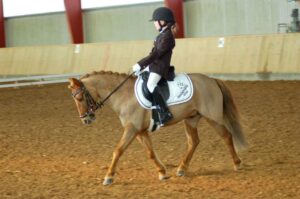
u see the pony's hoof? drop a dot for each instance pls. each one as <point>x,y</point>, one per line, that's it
<point>237,167</point>
<point>107,181</point>
<point>180,173</point>
<point>163,177</point>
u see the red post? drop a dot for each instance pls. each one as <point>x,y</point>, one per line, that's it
<point>74,15</point>
<point>2,26</point>
<point>177,7</point>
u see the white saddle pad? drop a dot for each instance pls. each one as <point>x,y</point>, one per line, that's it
<point>181,90</point>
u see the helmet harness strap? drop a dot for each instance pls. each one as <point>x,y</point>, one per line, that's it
<point>161,25</point>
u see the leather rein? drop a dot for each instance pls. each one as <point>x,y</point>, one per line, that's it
<point>93,105</point>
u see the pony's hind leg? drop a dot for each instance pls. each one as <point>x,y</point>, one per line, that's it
<point>193,141</point>
<point>128,136</point>
<point>145,140</point>
<point>226,135</point>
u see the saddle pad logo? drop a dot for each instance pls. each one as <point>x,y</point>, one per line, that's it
<point>184,89</point>
<point>181,91</point>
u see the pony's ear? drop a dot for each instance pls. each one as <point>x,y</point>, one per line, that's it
<point>74,83</point>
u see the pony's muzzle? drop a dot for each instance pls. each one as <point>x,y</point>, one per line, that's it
<point>85,121</point>
<point>88,118</point>
<point>92,116</point>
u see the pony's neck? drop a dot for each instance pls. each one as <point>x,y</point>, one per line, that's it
<point>101,85</point>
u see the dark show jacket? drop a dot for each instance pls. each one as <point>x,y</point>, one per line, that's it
<point>160,56</point>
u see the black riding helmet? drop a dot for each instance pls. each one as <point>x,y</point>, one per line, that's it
<point>163,13</point>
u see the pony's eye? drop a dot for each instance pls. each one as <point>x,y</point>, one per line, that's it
<point>79,99</point>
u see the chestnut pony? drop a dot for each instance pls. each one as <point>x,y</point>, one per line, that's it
<point>211,100</point>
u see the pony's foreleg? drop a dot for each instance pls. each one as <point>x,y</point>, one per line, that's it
<point>226,135</point>
<point>193,141</point>
<point>128,136</point>
<point>145,140</point>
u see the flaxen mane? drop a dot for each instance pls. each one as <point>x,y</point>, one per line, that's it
<point>103,73</point>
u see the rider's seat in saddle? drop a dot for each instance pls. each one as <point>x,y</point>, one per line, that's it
<point>174,92</point>
<point>162,111</point>
<point>162,84</point>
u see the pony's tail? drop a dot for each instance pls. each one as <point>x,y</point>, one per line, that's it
<point>231,118</point>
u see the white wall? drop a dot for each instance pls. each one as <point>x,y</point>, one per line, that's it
<point>120,23</point>
<point>37,30</point>
<point>202,18</point>
<point>235,17</point>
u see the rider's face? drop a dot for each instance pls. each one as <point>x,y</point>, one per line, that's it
<point>157,26</point>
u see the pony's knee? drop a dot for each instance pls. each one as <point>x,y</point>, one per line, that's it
<point>192,122</point>
<point>196,142</point>
<point>117,153</point>
<point>151,155</point>
<point>226,134</point>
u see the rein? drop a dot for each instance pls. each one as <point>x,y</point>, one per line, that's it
<point>112,92</point>
<point>91,103</point>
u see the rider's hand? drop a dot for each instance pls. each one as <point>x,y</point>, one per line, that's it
<point>136,68</point>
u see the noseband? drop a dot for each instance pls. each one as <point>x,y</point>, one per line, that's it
<point>92,105</point>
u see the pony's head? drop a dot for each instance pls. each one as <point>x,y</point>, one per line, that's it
<point>85,104</point>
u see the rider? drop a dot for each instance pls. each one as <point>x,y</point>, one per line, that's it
<point>158,61</point>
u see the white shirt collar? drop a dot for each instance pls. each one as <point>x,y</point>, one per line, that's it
<point>163,29</point>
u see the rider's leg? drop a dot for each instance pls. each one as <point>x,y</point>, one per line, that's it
<point>164,113</point>
<point>153,81</point>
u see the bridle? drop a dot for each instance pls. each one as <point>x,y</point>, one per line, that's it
<point>93,105</point>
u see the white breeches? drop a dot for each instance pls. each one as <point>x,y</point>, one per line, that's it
<point>152,81</point>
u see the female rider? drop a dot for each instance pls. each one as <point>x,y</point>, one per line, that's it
<point>158,61</point>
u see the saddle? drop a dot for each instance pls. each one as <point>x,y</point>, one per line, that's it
<point>178,91</point>
<point>174,92</point>
<point>162,84</point>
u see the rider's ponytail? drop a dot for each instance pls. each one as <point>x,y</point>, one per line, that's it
<point>174,28</point>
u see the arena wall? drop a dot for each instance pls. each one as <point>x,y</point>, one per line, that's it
<point>236,17</point>
<point>278,53</point>
<point>47,29</point>
<point>203,18</point>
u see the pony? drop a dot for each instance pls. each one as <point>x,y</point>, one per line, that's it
<point>211,100</point>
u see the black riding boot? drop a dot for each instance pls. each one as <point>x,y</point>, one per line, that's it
<point>163,111</point>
